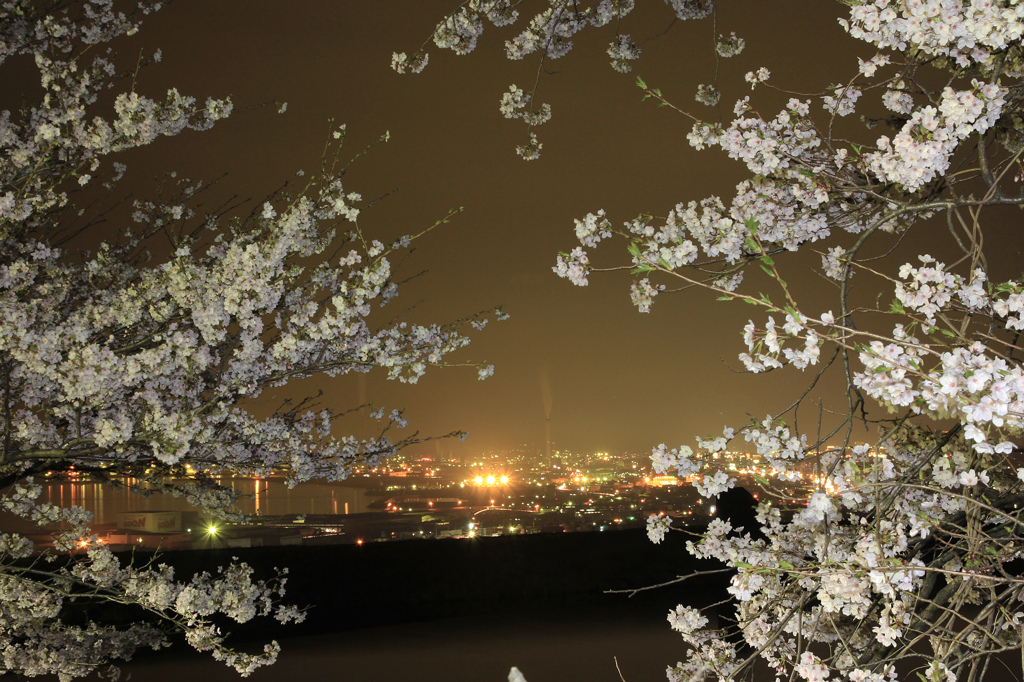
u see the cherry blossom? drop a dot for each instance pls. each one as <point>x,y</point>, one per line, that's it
<point>139,360</point>
<point>893,539</point>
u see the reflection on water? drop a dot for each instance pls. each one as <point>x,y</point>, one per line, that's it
<point>267,497</point>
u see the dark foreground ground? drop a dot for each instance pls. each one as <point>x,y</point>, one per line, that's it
<point>353,587</point>
<point>462,610</point>
<point>468,610</point>
<point>566,643</point>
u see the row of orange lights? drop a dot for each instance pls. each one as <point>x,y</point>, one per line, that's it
<point>490,480</point>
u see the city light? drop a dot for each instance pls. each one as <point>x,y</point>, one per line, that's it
<point>519,493</point>
<point>491,480</point>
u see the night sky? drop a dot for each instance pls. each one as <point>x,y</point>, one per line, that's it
<point>610,377</point>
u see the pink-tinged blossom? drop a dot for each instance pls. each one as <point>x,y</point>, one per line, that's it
<point>593,228</point>
<point>712,486</point>
<point>810,668</point>
<point>755,77</point>
<point>685,620</point>
<point>574,266</point>
<point>657,526</point>
<point>844,102</point>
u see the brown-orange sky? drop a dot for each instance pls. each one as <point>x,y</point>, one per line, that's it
<point>611,377</point>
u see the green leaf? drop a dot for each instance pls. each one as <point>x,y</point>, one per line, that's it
<point>640,82</point>
<point>786,565</point>
<point>767,260</point>
<point>743,564</point>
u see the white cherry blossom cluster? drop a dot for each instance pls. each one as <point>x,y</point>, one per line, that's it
<point>834,263</point>
<point>35,642</point>
<point>402,63</point>
<point>622,52</point>
<point>729,46</point>
<point>642,293</point>
<point>664,460</point>
<point>692,9</point>
<point>777,442</point>
<point>514,103</point>
<point>968,34</point>
<point>923,148</point>
<point>718,443</point>
<point>844,102</point>
<point>766,346</point>
<point>574,266</point>
<point>458,32</point>
<point>897,98</point>
<point>870,66</point>
<point>892,541</point>
<point>757,77</point>
<point>708,95</point>
<point>686,620</point>
<point>593,228</point>
<point>713,486</point>
<point>658,526</point>
<point>927,289</point>
<point>548,34</point>
<point>144,370</point>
